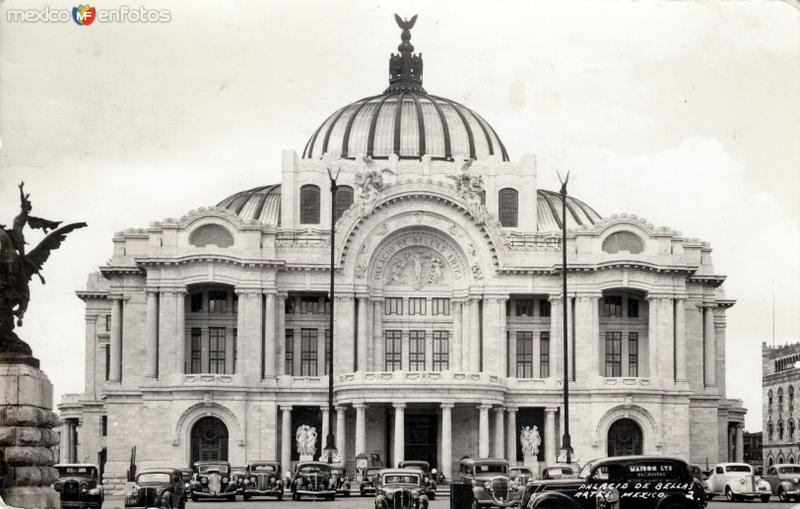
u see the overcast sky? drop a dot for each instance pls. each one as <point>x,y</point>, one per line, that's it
<point>685,113</point>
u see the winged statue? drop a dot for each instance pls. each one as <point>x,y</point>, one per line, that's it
<point>17,268</point>
<point>405,24</point>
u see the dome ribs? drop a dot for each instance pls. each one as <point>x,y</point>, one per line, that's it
<point>350,121</point>
<point>308,151</point>
<point>330,129</point>
<point>499,141</point>
<point>373,126</point>
<point>421,123</point>
<point>448,151</point>
<point>398,114</point>
<point>470,137</point>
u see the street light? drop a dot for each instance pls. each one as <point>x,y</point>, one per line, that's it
<point>330,448</point>
<point>566,441</point>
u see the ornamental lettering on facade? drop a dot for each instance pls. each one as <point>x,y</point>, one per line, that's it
<point>421,265</point>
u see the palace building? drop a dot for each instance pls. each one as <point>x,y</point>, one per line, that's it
<point>780,373</point>
<point>206,334</point>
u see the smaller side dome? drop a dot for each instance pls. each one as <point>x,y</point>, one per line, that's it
<point>262,204</point>
<point>549,210</point>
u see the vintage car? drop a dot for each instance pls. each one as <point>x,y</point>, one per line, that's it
<point>262,479</point>
<point>491,485</point>
<point>212,479</point>
<point>158,487</point>
<point>784,481</point>
<point>186,475</point>
<point>342,482</point>
<point>369,480</point>
<point>313,479</point>
<point>400,488</point>
<point>736,481</point>
<point>79,485</point>
<point>429,476</point>
<point>520,476</point>
<point>558,472</point>
<point>237,476</point>
<point>624,482</point>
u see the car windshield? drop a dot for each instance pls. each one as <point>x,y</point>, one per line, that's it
<point>313,469</point>
<point>495,468</point>
<point>205,469</point>
<point>789,470</point>
<point>520,471</point>
<point>82,471</point>
<point>263,468</point>
<point>738,468</point>
<point>161,477</point>
<point>400,479</point>
<point>586,470</point>
<point>186,475</point>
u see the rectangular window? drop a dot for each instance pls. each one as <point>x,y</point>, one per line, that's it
<point>524,307</point>
<point>524,354</point>
<point>633,354</point>
<point>416,350</point>
<point>103,425</point>
<point>612,307</point>
<point>394,352</point>
<point>108,323</point>
<point>633,308</point>
<point>327,350</point>
<point>235,303</point>
<point>416,306</point>
<point>216,349</point>
<point>289,306</point>
<point>393,306</point>
<point>441,350</point>
<point>613,354</point>
<point>544,308</point>
<point>108,361</point>
<point>308,352</point>
<point>235,345</point>
<point>289,354</point>
<point>196,302</point>
<point>196,352</point>
<point>309,305</point>
<point>217,302</point>
<point>441,306</point>
<point>544,354</point>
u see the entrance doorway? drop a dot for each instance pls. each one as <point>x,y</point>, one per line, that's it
<point>209,440</point>
<point>624,438</point>
<point>421,431</point>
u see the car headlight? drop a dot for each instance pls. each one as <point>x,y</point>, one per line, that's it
<point>224,479</point>
<point>487,485</point>
<point>94,491</point>
<point>795,480</point>
<point>57,486</point>
<point>741,481</point>
<point>135,491</point>
<point>204,480</point>
<point>415,494</point>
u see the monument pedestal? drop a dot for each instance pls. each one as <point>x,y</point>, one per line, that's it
<point>27,437</point>
<point>532,463</point>
<point>306,457</point>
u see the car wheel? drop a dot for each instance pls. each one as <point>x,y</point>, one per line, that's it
<point>765,498</point>
<point>729,494</point>
<point>280,497</point>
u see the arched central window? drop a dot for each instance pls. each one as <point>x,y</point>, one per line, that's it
<point>309,204</point>
<point>344,198</point>
<point>209,440</point>
<point>624,438</point>
<point>508,208</point>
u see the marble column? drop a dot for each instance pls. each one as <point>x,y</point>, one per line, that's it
<point>91,355</point>
<point>709,347</point>
<point>286,438</point>
<point>446,463</point>
<point>280,333</point>
<point>499,432</point>
<point>455,354</point>
<point>483,430</point>
<point>595,337</point>
<point>361,428</point>
<point>680,340</point>
<point>115,343</point>
<point>151,333</point>
<point>550,439</point>
<point>399,433</point>
<point>180,331</point>
<point>666,339</point>
<point>652,337</point>
<point>502,337</point>
<point>362,340</point>
<point>378,361</point>
<point>341,432</point>
<point>511,435</point>
<point>270,330</point>
<point>324,437</point>
<point>475,335</point>
<point>739,443</point>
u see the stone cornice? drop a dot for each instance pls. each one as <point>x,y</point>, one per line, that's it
<point>206,258</point>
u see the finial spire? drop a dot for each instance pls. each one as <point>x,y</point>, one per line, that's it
<point>405,69</point>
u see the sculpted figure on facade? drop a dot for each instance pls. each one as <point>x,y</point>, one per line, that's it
<point>417,268</point>
<point>369,187</point>
<point>530,440</point>
<point>306,438</point>
<point>470,188</point>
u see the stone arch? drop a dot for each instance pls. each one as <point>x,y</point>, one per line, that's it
<point>206,408</point>
<point>625,437</point>
<point>652,441</point>
<point>770,460</point>
<point>780,458</point>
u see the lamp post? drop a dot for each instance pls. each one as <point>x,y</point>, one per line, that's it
<point>330,447</point>
<point>566,440</point>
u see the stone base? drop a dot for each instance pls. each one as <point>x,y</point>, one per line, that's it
<point>306,457</point>
<point>44,497</point>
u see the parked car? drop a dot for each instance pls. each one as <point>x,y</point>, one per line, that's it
<point>784,481</point>
<point>626,482</point>
<point>186,475</point>
<point>736,481</point>
<point>429,475</point>
<point>158,487</point>
<point>491,485</point>
<point>369,480</point>
<point>237,478</point>
<point>313,479</point>
<point>520,476</point>
<point>699,478</point>
<point>262,479</point>
<point>79,485</point>
<point>401,488</point>
<point>341,481</point>
<point>558,472</point>
<point>212,479</point>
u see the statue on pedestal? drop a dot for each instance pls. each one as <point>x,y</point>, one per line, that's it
<point>530,440</point>
<point>306,438</point>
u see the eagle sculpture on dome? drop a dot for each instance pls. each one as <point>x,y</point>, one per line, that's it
<point>405,24</point>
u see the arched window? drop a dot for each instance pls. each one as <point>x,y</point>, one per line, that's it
<point>780,430</point>
<point>309,204</point>
<point>623,241</point>
<point>780,399</point>
<point>624,438</point>
<point>770,461</point>
<point>790,459</point>
<point>780,459</point>
<point>769,401</point>
<point>508,207</point>
<point>209,440</point>
<point>344,198</point>
<point>213,234</point>
<point>791,429</point>
<point>770,430</point>
<point>791,398</point>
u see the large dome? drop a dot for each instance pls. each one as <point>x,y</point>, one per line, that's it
<point>406,121</point>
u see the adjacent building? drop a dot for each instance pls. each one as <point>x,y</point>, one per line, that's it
<point>206,334</point>
<point>780,378</point>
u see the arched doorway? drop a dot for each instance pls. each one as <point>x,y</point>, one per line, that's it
<point>624,438</point>
<point>209,440</point>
